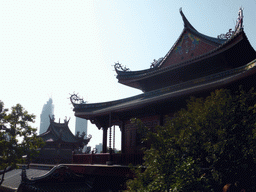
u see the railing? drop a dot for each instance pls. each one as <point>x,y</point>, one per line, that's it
<point>103,158</point>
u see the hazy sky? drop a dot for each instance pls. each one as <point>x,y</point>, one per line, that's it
<point>55,48</point>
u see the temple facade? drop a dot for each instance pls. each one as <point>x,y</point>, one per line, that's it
<point>194,66</point>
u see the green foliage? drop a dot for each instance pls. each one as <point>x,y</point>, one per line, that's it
<point>17,137</point>
<point>208,144</point>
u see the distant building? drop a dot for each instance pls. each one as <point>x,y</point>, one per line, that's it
<point>98,148</point>
<point>48,110</point>
<point>81,128</point>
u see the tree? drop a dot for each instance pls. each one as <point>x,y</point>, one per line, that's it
<point>17,137</point>
<point>208,144</point>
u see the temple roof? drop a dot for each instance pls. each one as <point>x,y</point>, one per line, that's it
<point>204,65</point>
<point>191,48</point>
<point>61,132</point>
<point>132,105</point>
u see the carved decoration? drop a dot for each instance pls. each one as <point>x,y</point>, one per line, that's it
<point>96,122</point>
<point>118,66</point>
<point>227,35</point>
<point>239,25</point>
<point>75,99</point>
<point>155,62</point>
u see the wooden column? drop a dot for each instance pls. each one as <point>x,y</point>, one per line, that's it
<point>114,137</point>
<point>110,158</point>
<point>122,138</point>
<point>104,142</point>
<point>110,133</point>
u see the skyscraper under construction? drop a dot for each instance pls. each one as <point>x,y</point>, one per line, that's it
<point>48,110</point>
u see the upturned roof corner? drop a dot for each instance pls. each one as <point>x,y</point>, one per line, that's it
<point>187,24</point>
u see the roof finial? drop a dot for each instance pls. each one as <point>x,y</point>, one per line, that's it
<point>75,99</point>
<point>66,119</point>
<point>52,118</point>
<point>118,66</point>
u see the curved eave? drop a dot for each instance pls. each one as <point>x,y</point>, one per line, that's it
<point>103,105</point>
<point>50,132</point>
<point>127,77</point>
<point>70,137</point>
<point>132,74</point>
<point>186,22</point>
<point>89,111</point>
<point>43,134</point>
<point>51,175</point>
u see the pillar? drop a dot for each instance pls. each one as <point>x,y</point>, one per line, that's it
<point>104,142</point>
<point>122,138</point>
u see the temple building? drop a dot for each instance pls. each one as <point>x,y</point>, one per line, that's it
<point>60,143</point>
<point>194,66</point>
